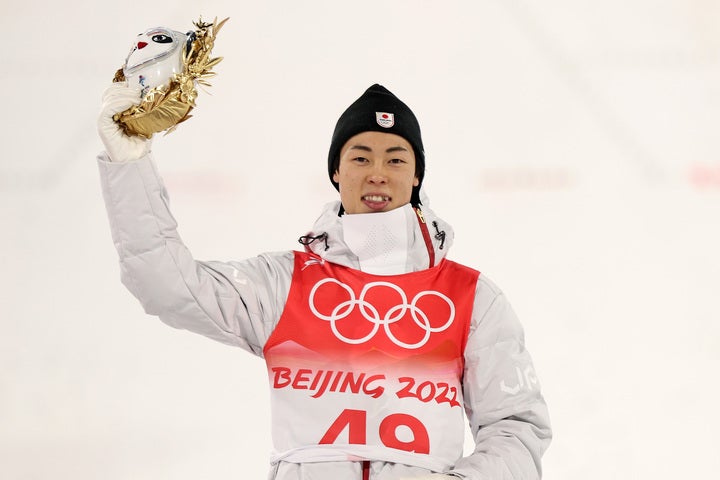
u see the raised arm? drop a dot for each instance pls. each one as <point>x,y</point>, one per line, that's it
<point>237,303</point>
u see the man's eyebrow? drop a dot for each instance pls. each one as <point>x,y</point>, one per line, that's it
<point>396,149</point>
<point>389,150</point>
<point>361,147</point>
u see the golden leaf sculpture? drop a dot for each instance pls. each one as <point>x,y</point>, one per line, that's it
<point>166,106</point>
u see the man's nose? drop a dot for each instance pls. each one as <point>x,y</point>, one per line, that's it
<point>377,176</point>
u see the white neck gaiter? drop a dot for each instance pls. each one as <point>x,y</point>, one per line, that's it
<point>381,241</point>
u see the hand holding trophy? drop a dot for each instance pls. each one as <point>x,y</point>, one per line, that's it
<point>166,66</point>
<point>156,88</point>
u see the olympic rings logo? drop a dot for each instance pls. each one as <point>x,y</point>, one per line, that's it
<point>370,313</point>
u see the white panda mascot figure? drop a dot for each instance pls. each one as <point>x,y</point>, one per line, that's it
<point>166,66</point>
<point>155,57</point>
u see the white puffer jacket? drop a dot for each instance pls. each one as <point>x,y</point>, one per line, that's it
<point>239,303</point>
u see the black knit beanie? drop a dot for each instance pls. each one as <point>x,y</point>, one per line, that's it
<point>378,110</point>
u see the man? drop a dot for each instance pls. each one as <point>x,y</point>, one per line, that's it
<point>376,344</point>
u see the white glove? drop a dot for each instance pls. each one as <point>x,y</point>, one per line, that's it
<point>120,147</point>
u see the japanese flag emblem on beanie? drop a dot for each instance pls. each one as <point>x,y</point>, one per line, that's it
<point>384,119</point>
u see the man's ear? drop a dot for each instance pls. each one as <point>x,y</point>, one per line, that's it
<point>335,177</point>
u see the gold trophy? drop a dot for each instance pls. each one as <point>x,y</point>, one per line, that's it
<point>167,66</point>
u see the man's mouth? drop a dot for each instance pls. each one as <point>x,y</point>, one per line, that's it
<point>376,198</point>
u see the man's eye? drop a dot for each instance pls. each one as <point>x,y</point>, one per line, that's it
<point>397,160</point>
<point>161,39</point>
<point>361,159</point>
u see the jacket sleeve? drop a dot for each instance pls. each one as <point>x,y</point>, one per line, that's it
<point>507,413</point>
<point>237,303</point>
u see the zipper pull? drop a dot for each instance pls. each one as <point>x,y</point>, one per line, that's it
<point>420,215</point>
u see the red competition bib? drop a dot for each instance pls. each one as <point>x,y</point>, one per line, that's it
<point>369,367</point>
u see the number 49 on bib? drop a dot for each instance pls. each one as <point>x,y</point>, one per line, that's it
<point>356,423</point>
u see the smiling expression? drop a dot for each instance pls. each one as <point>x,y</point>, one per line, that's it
<point>376,173</point>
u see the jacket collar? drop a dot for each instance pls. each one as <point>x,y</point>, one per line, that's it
<point>428,236</point>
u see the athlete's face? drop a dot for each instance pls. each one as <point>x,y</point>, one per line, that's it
<point>376,172</point>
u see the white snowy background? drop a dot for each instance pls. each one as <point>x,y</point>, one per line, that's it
<point>573,145</point>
